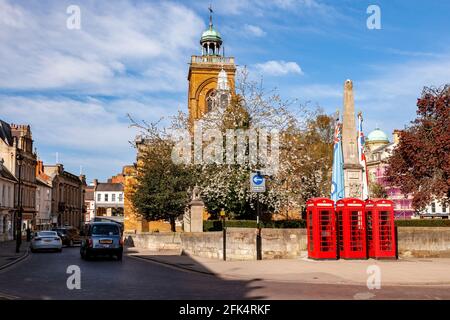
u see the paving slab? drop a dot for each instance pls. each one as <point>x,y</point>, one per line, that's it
<point>406,271</point>
<point>8,255</point>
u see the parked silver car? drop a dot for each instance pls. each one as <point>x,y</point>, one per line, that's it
<point>46,240</point>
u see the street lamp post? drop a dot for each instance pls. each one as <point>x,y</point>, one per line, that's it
<point>224,230</point>
<point>19,159</point>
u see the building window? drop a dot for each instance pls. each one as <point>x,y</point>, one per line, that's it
<point>113,197</point>
<point>106,197</point>
<point>211,100</point>
<point>433,207</point>
<point>444,208</point>
<point>120,197</point>
<point>99,197</point>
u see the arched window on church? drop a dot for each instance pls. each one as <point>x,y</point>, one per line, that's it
<point>211,100</point>
<point>224,99</point>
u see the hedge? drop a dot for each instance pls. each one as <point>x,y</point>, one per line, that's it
<point>423,223</point>
<point>216,225</point>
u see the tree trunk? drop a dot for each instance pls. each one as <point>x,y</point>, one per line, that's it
<point>172,224</point>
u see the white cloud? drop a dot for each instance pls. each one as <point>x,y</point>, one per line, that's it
<point>413,53</point>
<point>93,133</point>
<point>316,91</point>
<point>278,68</point>
<point>405,80</point>
<point>263,7</point>
<point>133,52</point>
<point>61,122</point>
<point>10,15</point>
<point>109,55</point>
<point>387,96</point>
<point>254,30</point>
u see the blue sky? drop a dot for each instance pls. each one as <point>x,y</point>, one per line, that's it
<point>75,87</point>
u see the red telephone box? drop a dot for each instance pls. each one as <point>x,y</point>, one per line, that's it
<point>351,228</point>
<point>382,242</point>
<point>369,209</point>
<point>321,230</point>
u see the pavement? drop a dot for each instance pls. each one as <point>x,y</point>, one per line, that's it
<point>8,255</point>
<point>402,272</point>
<point>51,275</point>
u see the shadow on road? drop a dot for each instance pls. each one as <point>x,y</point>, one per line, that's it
<point>211,285</point>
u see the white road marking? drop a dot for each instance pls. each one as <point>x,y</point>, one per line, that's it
<point>4,296</point>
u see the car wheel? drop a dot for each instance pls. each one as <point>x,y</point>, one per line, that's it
<point>59,250</point>
<point>119,256</point>
<point>32,250</point>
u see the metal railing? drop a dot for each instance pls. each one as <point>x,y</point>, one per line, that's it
<point>212,59</point>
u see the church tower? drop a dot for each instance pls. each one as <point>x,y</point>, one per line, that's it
<point>210,76</point>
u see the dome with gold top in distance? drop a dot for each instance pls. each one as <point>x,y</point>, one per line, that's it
<point>377,136</point>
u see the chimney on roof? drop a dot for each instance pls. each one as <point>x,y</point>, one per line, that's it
<point>39,167</point>
<point>95,182</point>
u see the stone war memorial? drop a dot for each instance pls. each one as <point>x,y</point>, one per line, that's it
<point>353,170</point>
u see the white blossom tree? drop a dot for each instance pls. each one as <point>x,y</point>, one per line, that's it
<point>304,152</point>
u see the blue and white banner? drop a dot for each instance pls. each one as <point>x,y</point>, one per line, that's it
<point>337,179</point>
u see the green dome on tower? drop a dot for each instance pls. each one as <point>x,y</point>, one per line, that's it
<point>211,35</point>
<point>377,135</point>
<point>211,41</point>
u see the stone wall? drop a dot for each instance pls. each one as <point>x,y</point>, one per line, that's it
<point>203,244</point>
<point>424,241</point>
<point>241,244</point>
<point>283,243</point>
<point>279,243</point>
<point>156,241</point>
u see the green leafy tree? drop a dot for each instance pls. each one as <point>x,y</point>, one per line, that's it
<point>377,190</point>
<point>162,190</point>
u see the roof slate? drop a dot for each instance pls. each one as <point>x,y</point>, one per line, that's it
<point>109,187</point>
<point>6,174</point>
<point>5,133</point>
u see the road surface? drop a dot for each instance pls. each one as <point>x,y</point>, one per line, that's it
<point>44,276</point>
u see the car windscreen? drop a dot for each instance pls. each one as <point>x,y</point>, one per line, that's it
<point>47,234</point>
<point>105,230</point>
<point>61,231</point>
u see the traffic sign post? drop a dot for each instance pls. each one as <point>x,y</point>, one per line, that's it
<point>224,230</point>
<point>258,185</point>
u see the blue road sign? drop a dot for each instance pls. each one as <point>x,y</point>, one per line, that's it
<point>257,182</point>
<point>257,179</point>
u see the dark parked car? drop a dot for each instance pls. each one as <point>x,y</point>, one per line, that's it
<point>68,235</point>
<point>102,238</point>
